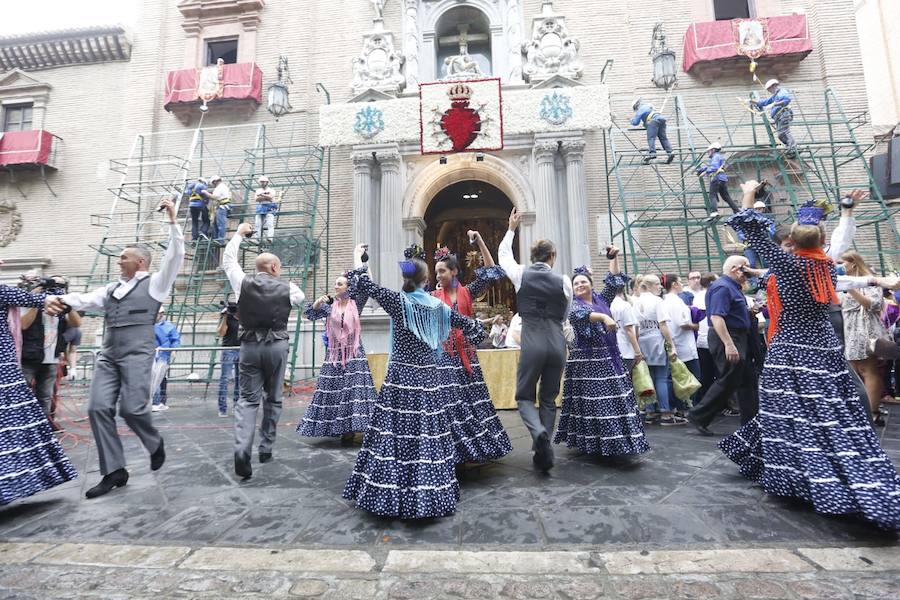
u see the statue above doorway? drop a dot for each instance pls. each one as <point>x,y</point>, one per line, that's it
<point>551,51</point>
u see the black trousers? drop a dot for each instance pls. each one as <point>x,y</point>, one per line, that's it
<point>734,378</point>
<point>719,189</point>
<point>707,371</point>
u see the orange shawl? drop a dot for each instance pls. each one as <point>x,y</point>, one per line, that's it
<point>818,279</point>
<point>456,343</point>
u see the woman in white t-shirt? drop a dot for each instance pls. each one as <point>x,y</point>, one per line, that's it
<point>682,326</point>
<point>626,334</point>
<point>654,333</point>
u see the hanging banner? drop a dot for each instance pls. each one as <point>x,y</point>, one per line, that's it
<point>460,116</point>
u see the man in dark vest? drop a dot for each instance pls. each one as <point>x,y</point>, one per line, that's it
<point>126,358</point>
<point>264,306</point>
<point>543,299</point>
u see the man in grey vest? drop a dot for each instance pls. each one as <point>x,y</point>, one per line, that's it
<point>126,359</point>
<point>264,306</point>
<point>543,299</point>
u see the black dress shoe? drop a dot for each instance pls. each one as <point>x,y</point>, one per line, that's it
<point>117,478</point>
<point>543,454</point>
<point>703,429</point>
<point>265,457</point>
<point>158,457</point>
<point>242,465</point>
<point>347,439</point>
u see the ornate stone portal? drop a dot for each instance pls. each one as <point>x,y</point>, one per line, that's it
<point>551,51</point>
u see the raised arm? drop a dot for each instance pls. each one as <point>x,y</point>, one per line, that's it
<point>318,309</point>
<point>388,299</point>
<point>11,296</point>
<point>472,329</point>
<point>614,280</point>
<point>297,295</point>
<point>230,263</point>
<point>843,234</point>
<point>754,226</point>
<point>162,281</point>
<point>482,247</point>
<point>505,253</point>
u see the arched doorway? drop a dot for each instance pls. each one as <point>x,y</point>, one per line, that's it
<point>466,205</point>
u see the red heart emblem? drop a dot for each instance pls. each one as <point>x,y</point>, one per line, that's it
<point>461,124</point>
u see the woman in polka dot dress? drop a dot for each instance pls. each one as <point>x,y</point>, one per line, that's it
<point>406,466</point>
<point>31,459</point>
<point>477,431</point>
<point>811,439</point>
<point>345,392</point>
<point>599,412</point>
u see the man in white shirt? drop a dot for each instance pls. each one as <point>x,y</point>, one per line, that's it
<point>544,299</point>
<point>707,364</point>
<point>264,305</point>
<point>126,359</point>
<point>266,207</point>
<point>694,282</point>
<point>681,325</point>
<point>220,207</point>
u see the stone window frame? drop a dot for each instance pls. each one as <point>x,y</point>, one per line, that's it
<point>751,9</point>
<point>206,21</point>
<point>19,88</point>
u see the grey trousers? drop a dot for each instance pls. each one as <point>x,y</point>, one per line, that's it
<point>541,359</point>
<point>261,368</point>
<point>122,374</point>
<point>44,377</point>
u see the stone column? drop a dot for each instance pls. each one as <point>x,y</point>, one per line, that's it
<point>411,43</point>
<point>363,215</point>
<point>546,213</point>
<point>413,231</point>
<point>390,233</point>
<point>576,202</point>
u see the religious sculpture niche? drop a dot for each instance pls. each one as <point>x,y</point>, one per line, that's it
<point>551,51</point>
<point>378,66</point>
<point>10,222</point>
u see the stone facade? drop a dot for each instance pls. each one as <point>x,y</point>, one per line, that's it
<point>99,108</point>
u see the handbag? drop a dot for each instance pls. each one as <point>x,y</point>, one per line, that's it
<point>870,337</point>
<point>683,382</point>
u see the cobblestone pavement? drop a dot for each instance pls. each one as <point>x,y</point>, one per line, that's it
<point>589,513</point>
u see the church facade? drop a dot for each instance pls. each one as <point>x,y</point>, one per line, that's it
<point>440,115</point>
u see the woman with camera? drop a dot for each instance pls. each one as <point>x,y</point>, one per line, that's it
<point>599,412</point>
<point>406,466</point>
<point>811,438</point>
<point>31,459</point>
<point>477,431</point>
<point>345,393</point>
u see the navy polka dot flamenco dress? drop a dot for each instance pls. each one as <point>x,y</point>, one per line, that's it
<point>406,466</point>
<point>811,439</point>
<point>477,431</point>
<point>345,394</point>
<point>599,411</point>
<point>31,459</point>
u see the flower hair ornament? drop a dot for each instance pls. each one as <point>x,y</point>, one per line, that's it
<point>582,270</point>
<point>813,212</point>
<point>408,267</point>
<point>442,253</point>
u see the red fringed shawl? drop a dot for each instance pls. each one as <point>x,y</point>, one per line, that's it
<point>456,343</point>
<point>818,279</point>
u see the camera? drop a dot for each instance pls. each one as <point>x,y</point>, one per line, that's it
<point>847,202</point>
<point>32,282</point>
<point>230,308</point>
<point>763,191</point>
<point>330,299</point>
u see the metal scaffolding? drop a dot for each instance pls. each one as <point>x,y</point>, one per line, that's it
<point>659,213</point>
<point>239,154</point>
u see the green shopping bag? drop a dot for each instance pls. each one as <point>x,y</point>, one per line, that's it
<point>684,382</point>
<point>644,391</point>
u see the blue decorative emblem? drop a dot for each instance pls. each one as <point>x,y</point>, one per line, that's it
<point>556,108</point>
<point>369,122</point>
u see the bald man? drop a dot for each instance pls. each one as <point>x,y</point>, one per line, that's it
<point>264,306</point>
<point>731,343</point>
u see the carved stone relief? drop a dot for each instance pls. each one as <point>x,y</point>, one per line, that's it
<point>551,50</point>
<point>10,222</point>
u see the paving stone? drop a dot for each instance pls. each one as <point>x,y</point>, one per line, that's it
<point>152,557</point>
<point>854,559</point>
<point>886,589</point>
<point>751,589</point>
<point>639,588</point>
<point>526,590</point>
<point>693,589</point>
<point>204,584</point>
<point>309,588</point>
<point>14,553</point>
<point>249,559</point>
<point>529,563</point>
<point>703,561</point>
<point>413,590</point>
<point>260,584</point>
<point>353,590</point>
<point>470,589</point>
<point>582,589</point>
<point>821,589</point>
<point>501,526</point>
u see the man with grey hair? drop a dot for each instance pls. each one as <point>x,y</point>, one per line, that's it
<point>126,359</point>
<point>730,343</point>
<point>264,306</point>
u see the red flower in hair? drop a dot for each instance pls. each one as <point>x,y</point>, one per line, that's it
<point>441,253</point>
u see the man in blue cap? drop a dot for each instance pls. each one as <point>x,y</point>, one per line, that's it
<point>656,129</point>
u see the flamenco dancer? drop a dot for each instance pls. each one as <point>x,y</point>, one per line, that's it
<point>31,459</point>
<point>477,432</point>
<point>599,412</point>
<point>406,466</point>
<point>811,438</point>
<point>345,392</point>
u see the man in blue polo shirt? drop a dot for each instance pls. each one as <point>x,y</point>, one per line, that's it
<point>731,347</point>
<point>782,114</point>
